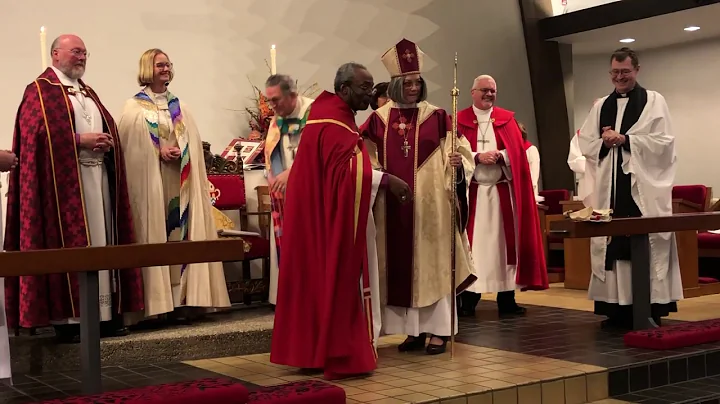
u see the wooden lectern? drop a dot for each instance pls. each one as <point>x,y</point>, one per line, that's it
<point>638,230</point>
<point>87,261</point>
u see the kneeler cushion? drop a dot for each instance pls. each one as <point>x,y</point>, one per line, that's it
<point>675,336</point>
<point>303,392</point>
<point>204,391</point>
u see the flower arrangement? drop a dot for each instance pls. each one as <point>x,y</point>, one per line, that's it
<point>260,115</point>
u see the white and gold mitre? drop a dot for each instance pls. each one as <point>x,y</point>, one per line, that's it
<point>403,59</point>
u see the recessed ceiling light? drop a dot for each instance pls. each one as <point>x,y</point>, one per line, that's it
<point>627,40</point>
<point>692,28</point>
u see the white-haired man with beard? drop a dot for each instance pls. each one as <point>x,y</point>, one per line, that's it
<point>68,190</point>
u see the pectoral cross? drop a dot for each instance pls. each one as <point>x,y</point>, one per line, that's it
<point>405,148</point>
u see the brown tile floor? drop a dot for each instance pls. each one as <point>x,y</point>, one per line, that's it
<point>476,375</point>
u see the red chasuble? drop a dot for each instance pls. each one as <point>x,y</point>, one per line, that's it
<point>45,207</point>
<point>525,249</point>
<point>320,321</point>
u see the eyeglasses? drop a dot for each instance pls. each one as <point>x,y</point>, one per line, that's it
<point>163,65</point>
<point>77,52</point>
<point>624,72</point>
<point>485,90</point>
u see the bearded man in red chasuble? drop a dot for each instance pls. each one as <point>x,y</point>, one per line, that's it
<point>412,140</point>
<point>69,190</point>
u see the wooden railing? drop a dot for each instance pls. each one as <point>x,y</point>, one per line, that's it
<point>88,261</point>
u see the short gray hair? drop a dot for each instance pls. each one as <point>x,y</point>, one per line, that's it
<point>345,74</point>
<point>396,90</point>
<point>286,83</point>
<point>483,77</point>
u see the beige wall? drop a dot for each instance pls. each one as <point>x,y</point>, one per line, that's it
<point>686,76</point>
<point>217,45</point>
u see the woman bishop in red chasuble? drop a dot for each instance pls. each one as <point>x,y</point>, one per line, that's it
<point>413,240</point>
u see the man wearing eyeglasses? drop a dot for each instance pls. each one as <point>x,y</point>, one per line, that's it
<point>629,147</point>
<point>69,190</point>
<point>281,144</point>
<point>503,228</point>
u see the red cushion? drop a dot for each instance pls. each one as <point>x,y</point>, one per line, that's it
<point>708,240</point>
<point>229,191</point>
<point>676,335</point>
<point>259,247</point>
<point>304,392</point>
<point>690,193</point>
<point>553,197</point>
<point>203,391</point>
<point>705,280</point>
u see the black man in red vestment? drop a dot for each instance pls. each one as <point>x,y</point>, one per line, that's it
<point>69,190</point>
<point>327,297</point>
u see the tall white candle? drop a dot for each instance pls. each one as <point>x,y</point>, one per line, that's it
<point>43,48</point>
<point>273,61</point>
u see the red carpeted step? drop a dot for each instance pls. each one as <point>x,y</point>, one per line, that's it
<point>204,391</point>
<point>675,336</point>
<point>303,392</point>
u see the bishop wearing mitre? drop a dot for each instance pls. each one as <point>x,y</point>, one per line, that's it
<point>413,143</point>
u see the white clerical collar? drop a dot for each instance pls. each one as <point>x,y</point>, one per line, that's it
<point>65,80</point>
<point>156,96</point>
<point>482,112</point>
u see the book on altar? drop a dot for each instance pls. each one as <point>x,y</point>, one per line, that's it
<point>251,152</point>
<point>237,233</point>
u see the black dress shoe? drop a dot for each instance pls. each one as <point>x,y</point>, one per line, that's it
<point>437,349</point>
<point>414,344</point>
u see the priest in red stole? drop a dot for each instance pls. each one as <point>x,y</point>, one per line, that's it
<point>413,143</point>
<point>504,228</point>
<point>324,318</point>
<point>69,190</point>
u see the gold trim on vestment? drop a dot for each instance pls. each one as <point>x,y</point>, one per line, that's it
<point>331,121</point>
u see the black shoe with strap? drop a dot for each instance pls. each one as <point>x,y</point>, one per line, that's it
<point>433,349</point>
<point>413,343</point>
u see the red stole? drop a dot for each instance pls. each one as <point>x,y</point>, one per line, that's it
<point>527,253</point>
<point>46,208</point>
<point>319,318</point>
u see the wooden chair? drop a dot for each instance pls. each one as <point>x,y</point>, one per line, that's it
<point>226,176</point>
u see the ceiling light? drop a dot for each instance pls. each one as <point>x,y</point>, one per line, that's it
<point>692,28</point>
<point>627,40</point>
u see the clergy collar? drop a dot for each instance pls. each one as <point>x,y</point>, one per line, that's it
<point>625,95</point>
<point>482,112</point>
<point>65,80</point>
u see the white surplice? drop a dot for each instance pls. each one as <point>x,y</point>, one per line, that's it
<point>533,156</point>
<point>5,371</point>
<point>489,250</point>
<point>373,270</point>
<point>95,188</point>
<point>576,162</point>
<point>651,164</point>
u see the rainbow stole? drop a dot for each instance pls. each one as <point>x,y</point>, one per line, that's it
<point>178,208</point>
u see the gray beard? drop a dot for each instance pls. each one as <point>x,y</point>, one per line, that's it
<point>74,72</point>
